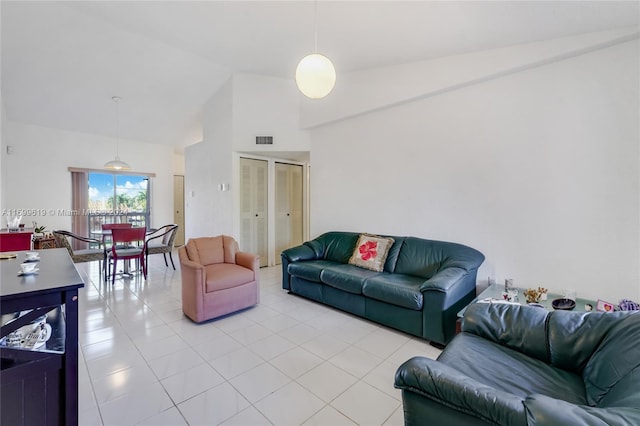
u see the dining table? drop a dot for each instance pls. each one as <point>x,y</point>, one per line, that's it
<point>105,236</point>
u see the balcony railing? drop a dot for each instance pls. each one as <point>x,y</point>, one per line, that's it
<point>96,220</point>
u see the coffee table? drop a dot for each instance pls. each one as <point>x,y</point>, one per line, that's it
<point>494,293</point>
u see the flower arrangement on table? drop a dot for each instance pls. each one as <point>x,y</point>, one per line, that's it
<point>534,295</point>
<point>42,239</point>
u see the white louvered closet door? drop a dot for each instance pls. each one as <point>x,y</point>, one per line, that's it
<point>288,207</point>
<point>253,208</point>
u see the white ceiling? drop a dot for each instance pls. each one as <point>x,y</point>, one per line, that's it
<point>63,61</point>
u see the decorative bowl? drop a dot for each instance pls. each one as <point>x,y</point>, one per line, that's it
<point>563,304</point>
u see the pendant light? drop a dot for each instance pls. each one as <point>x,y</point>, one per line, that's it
<point>315,74</point>
<point>117,164</point>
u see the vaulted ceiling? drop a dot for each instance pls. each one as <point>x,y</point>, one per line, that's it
<point>63,61</point>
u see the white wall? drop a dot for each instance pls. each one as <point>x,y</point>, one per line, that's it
<point>208,164</point>
<point>246,106</point>
<point>3,136</point>
<point>267,106</point>
<point>379,88</point>
<point>178,163</point>
<point>538,169</point>
<point>36,176</point>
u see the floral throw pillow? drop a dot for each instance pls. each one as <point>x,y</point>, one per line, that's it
<point>371,252</point>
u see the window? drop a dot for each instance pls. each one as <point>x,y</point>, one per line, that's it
<point>117,198</point>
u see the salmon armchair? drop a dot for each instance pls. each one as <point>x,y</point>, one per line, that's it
<point>217,278</point>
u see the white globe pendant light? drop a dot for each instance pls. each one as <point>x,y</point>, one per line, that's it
<point>315,74</point>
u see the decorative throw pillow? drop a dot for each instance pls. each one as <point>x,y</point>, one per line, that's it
<point>371,252</point>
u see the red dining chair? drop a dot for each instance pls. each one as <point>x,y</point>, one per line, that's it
<point>116,225</point>
<point>108,227</point>
<point>127,244</point>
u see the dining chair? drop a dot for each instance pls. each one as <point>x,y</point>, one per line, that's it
<point>90,254</point>
<point>161,241</point>
<point>116,225</point>
<point>108,227</point>
<point>127,244</point>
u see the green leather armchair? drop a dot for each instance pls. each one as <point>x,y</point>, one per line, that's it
<point>520,365</point>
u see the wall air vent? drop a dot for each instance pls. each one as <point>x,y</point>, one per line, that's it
<point>264,140</point>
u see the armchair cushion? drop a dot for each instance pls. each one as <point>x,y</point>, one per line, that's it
<point>192,251</point>
<point>611,363</point>
<point>545,411</point>
<point>212,250</point>
<point>521,329</point>
<point>510,370</point>
<point>226,275</point>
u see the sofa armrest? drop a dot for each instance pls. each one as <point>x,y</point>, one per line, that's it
<point>248,260</point>
<point>193,286</point>
<point>542,410</point>
<point>522,328</point>
<point>444,295</point>
<point>193,272</point>
<point>190,264</point>
<point>295,254</point>
<point>443,384</point>
<point>444,279</point>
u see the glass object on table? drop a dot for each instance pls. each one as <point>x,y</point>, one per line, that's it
<point>13,223</point>
<point>494,294</point>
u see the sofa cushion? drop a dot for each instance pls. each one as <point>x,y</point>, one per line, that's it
<point>348,278</point>
<point>309,269</point>
<point>421,258</point>
<point>574,337</point>
<point>226,275</point>
<point>626,392</point>
<point>371,252</point>
<point>424,258</point>
<point>334,246</point>
<point>609,364</point>
<point>511,371</point>
<point>397,289</point>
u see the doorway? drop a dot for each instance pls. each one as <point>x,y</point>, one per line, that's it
<point>254,207</point>
<point>288,207</point>
<point>178,208</point>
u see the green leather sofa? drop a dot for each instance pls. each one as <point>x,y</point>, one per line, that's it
<point>423,286</point>
<point>520,365</point>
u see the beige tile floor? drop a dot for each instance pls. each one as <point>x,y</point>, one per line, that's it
<point>287,361</point>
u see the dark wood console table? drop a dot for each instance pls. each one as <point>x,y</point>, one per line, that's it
<point>40,386</point>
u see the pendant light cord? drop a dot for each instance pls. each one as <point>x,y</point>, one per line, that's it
<point>116,99</point>
<point>315,25</point>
